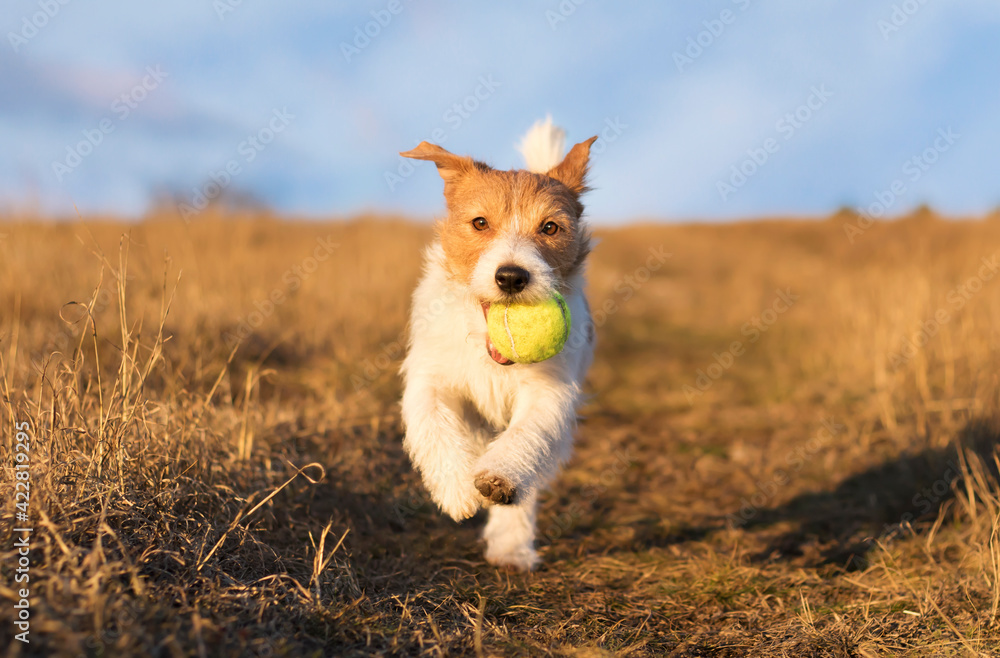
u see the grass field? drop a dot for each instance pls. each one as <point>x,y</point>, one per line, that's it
<point>789,449</point>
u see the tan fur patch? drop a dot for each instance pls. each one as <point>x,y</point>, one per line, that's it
<point>518,202</point>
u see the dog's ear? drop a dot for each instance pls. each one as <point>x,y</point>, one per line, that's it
<point>449,165</point>
<point>572,171</point>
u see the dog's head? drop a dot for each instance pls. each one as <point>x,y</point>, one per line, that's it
<point>512,236</point>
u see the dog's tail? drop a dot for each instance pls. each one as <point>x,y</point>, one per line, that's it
<point>542,146</point>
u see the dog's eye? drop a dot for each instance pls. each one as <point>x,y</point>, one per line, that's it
<point>550,228</point>
<point>480,223</point>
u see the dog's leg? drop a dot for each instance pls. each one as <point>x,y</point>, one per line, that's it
<point>519,462</point>
<point>442,446</point>
<point>537,440</point>
<point>510,534</point>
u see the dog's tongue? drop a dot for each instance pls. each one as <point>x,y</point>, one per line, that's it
<point>495,354</point>
<point>492,351</point>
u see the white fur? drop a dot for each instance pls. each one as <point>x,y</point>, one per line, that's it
<point>516,249</point>
<point>467,415</point>
<point>543,146</point>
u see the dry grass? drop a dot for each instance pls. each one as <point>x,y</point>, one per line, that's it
<point>215,474</point>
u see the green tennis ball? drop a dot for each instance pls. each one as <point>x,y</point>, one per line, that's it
<point>529,333</point>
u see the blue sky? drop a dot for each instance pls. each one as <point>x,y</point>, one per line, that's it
<point>820,104</point>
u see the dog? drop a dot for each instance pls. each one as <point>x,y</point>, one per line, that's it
<point>480,430</point>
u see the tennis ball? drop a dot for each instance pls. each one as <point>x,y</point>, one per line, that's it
<point>529,333</point>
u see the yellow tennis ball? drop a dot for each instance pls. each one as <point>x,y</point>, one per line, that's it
<point>529,333</point>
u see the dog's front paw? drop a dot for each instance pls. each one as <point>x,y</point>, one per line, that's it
<point>496,489</point>
<point>459,501</point>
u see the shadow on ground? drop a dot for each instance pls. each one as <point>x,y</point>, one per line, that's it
<point>876,504</point>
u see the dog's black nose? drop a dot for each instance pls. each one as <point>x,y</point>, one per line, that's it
<point>512,279</point>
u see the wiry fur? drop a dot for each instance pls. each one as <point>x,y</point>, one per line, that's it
<point>478,432</point>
